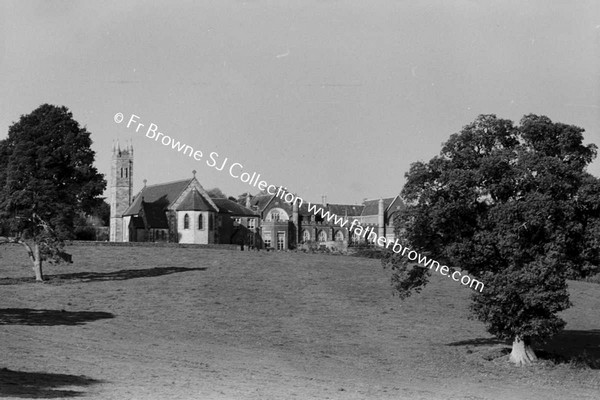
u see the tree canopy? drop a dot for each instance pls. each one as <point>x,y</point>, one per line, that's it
<point>47,176</point>
<point>514,207</point>
<point>216,193</point>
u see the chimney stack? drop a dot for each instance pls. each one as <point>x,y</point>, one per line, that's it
<point>380,219</point>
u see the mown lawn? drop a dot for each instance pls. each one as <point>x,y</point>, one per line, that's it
<point>161,323</point>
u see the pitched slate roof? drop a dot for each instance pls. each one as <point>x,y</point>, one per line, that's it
<point>260,201</point>
<point>193,201</point>
<point>345,209</point>
<point>154,215</point>
<point>232,208</point>
<point>162,195</point>
<point>372,206</point>
<point>303,210</point>
<point>395,205</point>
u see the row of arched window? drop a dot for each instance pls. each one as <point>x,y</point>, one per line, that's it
<point>186,222</point>
<point>322,236</point>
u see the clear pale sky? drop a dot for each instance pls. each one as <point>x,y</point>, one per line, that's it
<point>332,98</point>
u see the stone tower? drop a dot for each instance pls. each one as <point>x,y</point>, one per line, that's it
<point>121,188</point>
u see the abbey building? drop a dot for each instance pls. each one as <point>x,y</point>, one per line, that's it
<point>183,212</point>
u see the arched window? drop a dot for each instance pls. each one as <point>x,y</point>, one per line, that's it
<point>186,221</point>
<point>200,222</point>
<point>277,214</point>
<point>305,235</point>
<point>355,237</point>
<point>339,236</point>
<point>322,237</point>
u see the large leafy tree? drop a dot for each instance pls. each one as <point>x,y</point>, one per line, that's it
<point>514,207</point>
<point>46,178</point>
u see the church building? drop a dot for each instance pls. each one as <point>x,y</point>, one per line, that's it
<point>183,212</point>
<point>176,212</point>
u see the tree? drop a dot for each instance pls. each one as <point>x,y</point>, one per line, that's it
<point>102,212</point>
<point>501,202</point>
<point>586,245</point>
<point>216,193</point>
<point>241,199</point>
<point>46,178</point>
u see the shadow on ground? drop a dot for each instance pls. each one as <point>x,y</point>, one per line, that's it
<point>581,348</point>
<point>103,276</point>
<point>19,384</point>
<point>572,346</point>
<point>478,342</point>
<point>28,316</point>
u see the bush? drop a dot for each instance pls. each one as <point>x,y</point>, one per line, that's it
<point>85,233</point>
<point>593,278</point>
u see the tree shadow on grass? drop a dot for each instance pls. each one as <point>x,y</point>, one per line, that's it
<point>20,384</point>
<point>478,342</point>
<point>581,348</point>
<point>28,316</point>
<point>103,276</point>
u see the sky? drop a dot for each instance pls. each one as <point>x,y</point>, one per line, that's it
<point>328,98</point>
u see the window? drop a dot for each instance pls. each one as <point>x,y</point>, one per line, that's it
<point>200,222</point>
<point>237,221</point>
<point>277,214</point>
<point>280,240</point>
<point>305,235</point>
<point>322,236</point>
<point>339,236</point>
<point>251,223</point>
<point>267,239</point>
<point>186,221</point>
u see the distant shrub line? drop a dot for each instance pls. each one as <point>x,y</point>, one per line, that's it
<point>152,244</point>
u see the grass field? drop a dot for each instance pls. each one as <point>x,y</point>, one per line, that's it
<point>161,323</point>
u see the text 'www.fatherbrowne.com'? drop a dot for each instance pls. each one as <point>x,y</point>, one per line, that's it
<point>237,171</point>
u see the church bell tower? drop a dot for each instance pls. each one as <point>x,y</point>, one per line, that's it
<point>121,188</point>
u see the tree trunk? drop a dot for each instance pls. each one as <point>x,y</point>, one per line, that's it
<point>37,263</point>
<point>522,353</point>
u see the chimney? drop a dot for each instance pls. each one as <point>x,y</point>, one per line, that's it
<point>380,219</point>
<point>296,220</point>
<point>248,199</point>
<point>295,211</point>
